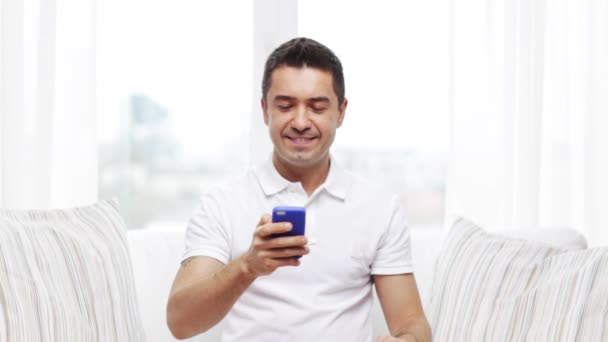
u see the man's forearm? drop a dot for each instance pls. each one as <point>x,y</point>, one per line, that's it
<point>201,304</point>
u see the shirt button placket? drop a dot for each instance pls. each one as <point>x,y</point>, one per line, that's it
<point>296,195</point>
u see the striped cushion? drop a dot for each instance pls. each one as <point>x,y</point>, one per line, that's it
<point>65,275</point>
<point>493,288</point>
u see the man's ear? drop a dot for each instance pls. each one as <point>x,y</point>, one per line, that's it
<point>263,103</point>
<point>342,111</point>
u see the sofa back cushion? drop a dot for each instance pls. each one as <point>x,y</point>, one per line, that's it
<point>491,287</point>
<point>65,275</point>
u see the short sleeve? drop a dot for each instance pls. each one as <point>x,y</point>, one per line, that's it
<point>393,255</point>
<point>207,234</point>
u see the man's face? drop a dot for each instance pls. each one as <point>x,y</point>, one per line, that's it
<point>302,113</point>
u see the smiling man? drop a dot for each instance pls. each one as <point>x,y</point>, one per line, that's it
<point>356,233</point>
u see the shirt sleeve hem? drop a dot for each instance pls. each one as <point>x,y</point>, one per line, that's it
<point>392,270</point>
<point>218,256</point>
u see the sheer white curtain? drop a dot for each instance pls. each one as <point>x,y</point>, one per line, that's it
<point>529,111</point>
<point>48,138</point>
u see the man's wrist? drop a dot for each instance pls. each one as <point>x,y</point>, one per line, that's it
<point>245,270</point>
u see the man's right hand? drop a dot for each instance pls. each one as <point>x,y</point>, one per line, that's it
<point>268,253</point>
<point>205,289</point>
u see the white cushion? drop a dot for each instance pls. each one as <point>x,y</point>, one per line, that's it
<point>65,275</point>
<point>156,255</point>
<point>490,287</point>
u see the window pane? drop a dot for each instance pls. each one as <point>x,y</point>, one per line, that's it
<point>395,59</point>
<point>175,82</point>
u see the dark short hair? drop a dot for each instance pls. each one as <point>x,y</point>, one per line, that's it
<point>301,52</point>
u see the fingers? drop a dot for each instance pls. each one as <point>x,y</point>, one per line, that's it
<point>276,263</point>
<point>268,252</point>
<point>264,235</point>
<point>260,265</point>
<point>273,245</point>
<point>286,241</point>
<point>268,229</point>
<point>279,253</point>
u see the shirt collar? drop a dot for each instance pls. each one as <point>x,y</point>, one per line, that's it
<point>337,183</point>
<point>270,179</point>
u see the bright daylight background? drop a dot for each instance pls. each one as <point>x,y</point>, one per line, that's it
<point>177,94</point>
<point>496,110</point>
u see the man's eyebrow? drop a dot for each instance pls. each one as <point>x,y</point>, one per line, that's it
<point>319,99</point>
<point>291,98</point>
<point>282,98</point>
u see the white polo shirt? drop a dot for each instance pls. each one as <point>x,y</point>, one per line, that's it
<point>354,230</point>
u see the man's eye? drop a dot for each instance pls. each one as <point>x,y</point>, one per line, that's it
<point>285,107</point>
<point>319,109</point>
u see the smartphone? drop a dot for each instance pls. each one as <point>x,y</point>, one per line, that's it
<point>295,215</point>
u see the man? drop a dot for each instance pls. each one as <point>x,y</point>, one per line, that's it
<point>356,234</point>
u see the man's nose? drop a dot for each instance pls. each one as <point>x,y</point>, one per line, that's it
<point>301,121</point>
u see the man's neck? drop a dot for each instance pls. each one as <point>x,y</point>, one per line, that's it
<point>310,177</point>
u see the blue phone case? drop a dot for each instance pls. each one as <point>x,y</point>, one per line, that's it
<point>295,215</point>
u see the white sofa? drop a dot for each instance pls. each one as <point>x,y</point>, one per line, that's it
<point>69,275</point>
<point>155,256</point>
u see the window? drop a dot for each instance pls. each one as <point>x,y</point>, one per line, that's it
<point>174,103</point>
<point>176,93</point>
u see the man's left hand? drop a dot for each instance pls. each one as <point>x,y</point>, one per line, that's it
<point>385,338</point>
